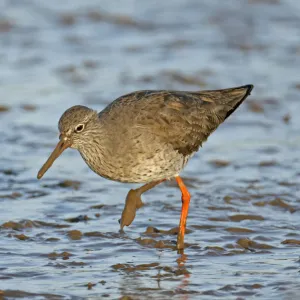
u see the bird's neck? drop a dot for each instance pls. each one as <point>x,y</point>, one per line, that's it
<point>91,148</point>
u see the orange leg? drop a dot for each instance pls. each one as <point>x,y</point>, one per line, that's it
<point>185,198</point>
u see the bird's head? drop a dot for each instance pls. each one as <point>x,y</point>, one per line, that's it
<point>75,127</point>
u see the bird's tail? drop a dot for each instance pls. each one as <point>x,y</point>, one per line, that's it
<point>225,102</point>
<point>234,97</point>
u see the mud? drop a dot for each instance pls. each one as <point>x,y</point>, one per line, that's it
<point>60,237</point>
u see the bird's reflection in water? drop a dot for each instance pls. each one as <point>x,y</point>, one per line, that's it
<point>155,280</point>
<point>181,262</point>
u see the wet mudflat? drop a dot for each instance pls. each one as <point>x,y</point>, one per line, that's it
<point>59,237</point>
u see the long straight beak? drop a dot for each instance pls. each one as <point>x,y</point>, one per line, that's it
<point>62,145</point>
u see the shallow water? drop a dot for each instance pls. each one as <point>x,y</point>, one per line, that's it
<point>59,237</point>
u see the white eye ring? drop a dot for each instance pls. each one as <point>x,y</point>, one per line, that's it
<point>79,128</point>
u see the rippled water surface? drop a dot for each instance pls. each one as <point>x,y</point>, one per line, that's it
<point>59,237</point>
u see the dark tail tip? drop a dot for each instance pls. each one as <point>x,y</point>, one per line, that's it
<point>248,88</point>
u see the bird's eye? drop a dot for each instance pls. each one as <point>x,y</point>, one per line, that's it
<point>79,128</point>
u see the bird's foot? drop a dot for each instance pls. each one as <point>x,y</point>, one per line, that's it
<point>180,241</point>
<point>132,204</point>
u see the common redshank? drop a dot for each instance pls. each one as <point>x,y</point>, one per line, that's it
<point>146,137</point>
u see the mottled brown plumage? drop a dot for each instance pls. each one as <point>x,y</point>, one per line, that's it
<point>146,136</point>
